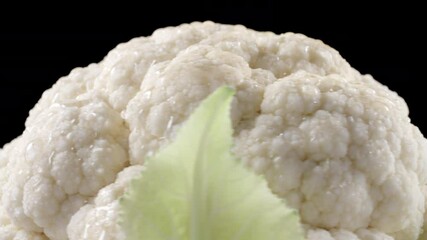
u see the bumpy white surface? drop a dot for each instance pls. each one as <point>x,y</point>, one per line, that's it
<point>337,145</point>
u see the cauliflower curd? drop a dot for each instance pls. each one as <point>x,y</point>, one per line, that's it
<point>338,146</point>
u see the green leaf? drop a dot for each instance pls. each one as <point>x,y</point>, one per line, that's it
<point>194,189</point>
<point>423,235</point>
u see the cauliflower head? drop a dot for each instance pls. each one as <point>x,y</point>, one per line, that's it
<point>335,144</point>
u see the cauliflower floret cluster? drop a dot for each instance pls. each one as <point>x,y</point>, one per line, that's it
<point>335,144</point>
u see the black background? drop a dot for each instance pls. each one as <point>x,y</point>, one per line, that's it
<point>37,48</point>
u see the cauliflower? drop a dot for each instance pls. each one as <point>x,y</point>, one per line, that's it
<point>335,144</point>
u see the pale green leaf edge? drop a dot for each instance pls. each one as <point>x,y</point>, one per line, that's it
<point>183,191</point>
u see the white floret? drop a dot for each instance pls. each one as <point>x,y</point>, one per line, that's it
<point>69,151</point>
<point>335,144</point>
<point>99,219</point>
<point>8,230</point>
